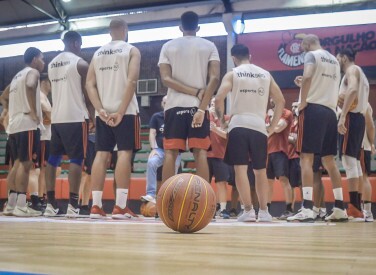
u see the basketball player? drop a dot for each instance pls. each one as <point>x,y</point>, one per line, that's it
<point>295,178</point>
<point>67,73</point>
<point>185,64</point>
<point>217,167</point>
<point>278,162</point>
<point>24,117</point>
<point>351,124</point>
<point>157,154</point>
<point>111,84</point>
<point>317,132</point>
<point>368,150</point>
<point>250,87</point>
<point>319,208</point>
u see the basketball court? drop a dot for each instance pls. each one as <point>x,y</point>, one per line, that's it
<point>146,246</point>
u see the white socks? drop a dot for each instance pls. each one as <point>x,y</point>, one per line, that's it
<point>97,198</point>
<point>21,200</point>
<point>121,197</point>
<point>367,206</point>
<point>12,199</point>
<point>338,194</point>
<point>307,193</point>
<point>223,205</point>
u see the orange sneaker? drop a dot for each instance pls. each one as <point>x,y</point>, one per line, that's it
<point>122,214</point>
<point>97,213</point>
<point>354,212</point>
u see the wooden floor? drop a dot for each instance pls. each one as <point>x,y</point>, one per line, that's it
<point>60,246</point>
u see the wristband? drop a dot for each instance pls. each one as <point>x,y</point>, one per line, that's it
<point>198,92</point>
<point>201,111</point>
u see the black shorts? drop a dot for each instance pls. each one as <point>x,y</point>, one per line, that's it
<point>317,130</point>
<point>90,156</point>
<point>351,142</point>
<point>251,175</point>
<point>69,139</point>
<point>365,161</point>
<point>178,129</point>
<point>25,146</point>
<point>219,169</point>
<point>317,164</point>
<point>126,135</point>
<point>295,176</point>
<point>278,165</point>
<point>245,145</point>
<point>44,152</point>
<point>9,159</point>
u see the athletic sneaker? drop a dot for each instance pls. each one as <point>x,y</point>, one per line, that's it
<point>26,212</point>
<point>122,214</point>
<point>84,211</point>
<point>354,213</point>
<point>249,216</point>
<point>224,214</point>
<point>51,211</point>
<point>148,198</point>
<point>72,212</point>
<point>97,212</point>
<point>285,215</point>
<point>304,215</point>
<point>264,216</point>
<point>233,213</point>
<point>368,216</point>
<point>338,215</point>
<point>8,210</point>
<point>322,214</point>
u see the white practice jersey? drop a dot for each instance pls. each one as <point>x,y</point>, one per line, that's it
<point>19,108</point>
<point>249,97</point>
<point>68,101</point>
<point>111,63</point>
<point>188,57</point>
<point>362,92</point>
<point>45,134</point>
<point>325,82</point>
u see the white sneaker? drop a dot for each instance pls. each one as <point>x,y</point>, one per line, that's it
<point>368,216</point>
<point>26,212</point>
<point>249,216</point>
<point>72,212</point>
<point>322,214</point>
<point>304,215</point>
<point>316,213</point>
<point>147,198</point>
<point>51,211</point>
<point>338,215</point>
<point>264,216</point>
<point>8,210</point>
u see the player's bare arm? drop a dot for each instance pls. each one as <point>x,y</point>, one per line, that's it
<point>82,68</point>
<point>352,76</point>
<point>92,92</point>
<point>279,101</point>
<point>130,88</point>
<point>32,80</point>
<point>224,89</point>
<point>168,81</point>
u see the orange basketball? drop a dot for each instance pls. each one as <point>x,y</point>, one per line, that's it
<point>186,203</point>
<point>148,209</point>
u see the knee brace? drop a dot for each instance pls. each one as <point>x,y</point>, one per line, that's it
<point>54,160</point>
<point>351,167</point>
<point>76,161</point>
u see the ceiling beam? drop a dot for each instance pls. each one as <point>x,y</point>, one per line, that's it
<point>63,16</point>
<point>40,9</point>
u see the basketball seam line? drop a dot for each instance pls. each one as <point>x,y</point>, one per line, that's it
<point>206,204</point>
<point>182,205</point>
<point>172,180</point>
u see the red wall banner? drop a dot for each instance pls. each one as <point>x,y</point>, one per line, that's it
<point>280,50</point>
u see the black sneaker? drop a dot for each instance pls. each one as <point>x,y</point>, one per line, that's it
<point>233,213</point>
<point>224,214</point>
<point>84,211</point>
<point>285,215</point>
